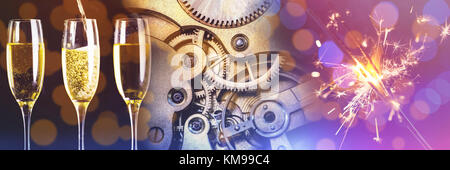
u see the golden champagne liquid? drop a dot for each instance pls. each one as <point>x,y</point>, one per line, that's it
<point>81,72</point>
<point>25,65</point>
<point>132,71</point>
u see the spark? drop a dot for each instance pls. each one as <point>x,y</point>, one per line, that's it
<point>396,46</point>
<point>340,94</point>
<point>331,111</point>
<point>364,43</point>
<point>318,43</point>
<point>445,31</point>
<point>335,20</point>
<point>347,12</point>
<point>381,64</point>
<point>386,32</point>
<point>315,74</point>
<point>318,93</point>
<point>422,19</point>
<point>377,138</point>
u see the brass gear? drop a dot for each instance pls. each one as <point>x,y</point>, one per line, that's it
<point>206,97</point>
<point>200,46</point>
<point>251,81</point>
<point>225,13</point>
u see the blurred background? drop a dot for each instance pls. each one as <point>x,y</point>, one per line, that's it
<point>107,122</point>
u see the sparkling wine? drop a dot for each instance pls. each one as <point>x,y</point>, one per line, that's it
<point>25,64</point>
<point>82,13</point>
<point>81,9</point>
<point>81,68</point>
<point>132,70</point>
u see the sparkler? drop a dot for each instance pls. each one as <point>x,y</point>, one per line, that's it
<point>445,31</point>
<point>373,75</point>
<point>335,19</point>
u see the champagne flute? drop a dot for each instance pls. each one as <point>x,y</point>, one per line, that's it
<point>25,58</point>
<point>132,66</point>
<point>80,66</point>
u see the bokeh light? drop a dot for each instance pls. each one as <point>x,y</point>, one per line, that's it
<point>293,15</point>
<point>430,97</point>
<point>419,110</point>
<point>441,84</point>
<point>27,10</point>
<point>387,12</point>
<point>148,99</point>
<point>398,143</point>
<point>430,49</point>
<point>326,144</point>
<point>330,54</point>
<point>3,34</point>
<point>52,62</point>
<point>274,8</point>
<point>303,39</point>
<point>143,128</point>
<point>43,132</point>
<point>101,83</point>
<point>438,9</point>
<point>104,130</point>
<point>57,17</point>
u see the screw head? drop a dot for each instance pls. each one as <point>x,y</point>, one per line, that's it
<point>196,125</point>
<point>155,135</point>
<point>176,96</point>
<point>239,42</point>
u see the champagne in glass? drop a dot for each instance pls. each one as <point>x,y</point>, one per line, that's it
<point>80,66</point>
<point>132,66</point>
<point>25,58</point>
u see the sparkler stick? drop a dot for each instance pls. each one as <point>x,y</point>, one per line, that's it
<point>372,71</point>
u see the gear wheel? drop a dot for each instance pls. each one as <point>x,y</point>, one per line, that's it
<point>203,47</point>
<point>232,80</point>
<point>225,13</point>
<point>206,98</point>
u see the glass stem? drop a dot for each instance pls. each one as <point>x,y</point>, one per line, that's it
<point>81,108</point>
<point>26,115</point>
<point>133,108</point>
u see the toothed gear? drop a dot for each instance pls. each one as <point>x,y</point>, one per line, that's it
<point>225,13</point>
<point>207,96</point>
<point>202,44</point>
<point>250,82</point>
<point>210,48</point>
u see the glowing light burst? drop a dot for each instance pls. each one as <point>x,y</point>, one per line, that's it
<point>373,73</point>
<point>445,31</point>
<point>336,19</point>
<point>422,19</point>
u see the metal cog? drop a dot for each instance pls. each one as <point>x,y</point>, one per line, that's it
<point>206,97</point>
<point>197,43</point>
<point>228,82</point>
<point>225,13</point>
